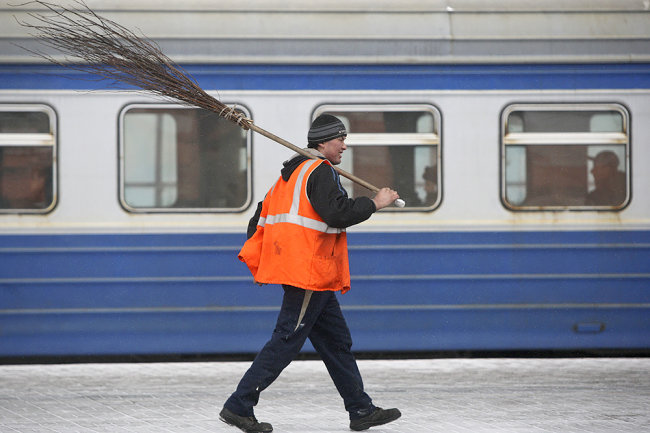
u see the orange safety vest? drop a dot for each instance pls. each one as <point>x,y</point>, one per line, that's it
<point>292,244</point>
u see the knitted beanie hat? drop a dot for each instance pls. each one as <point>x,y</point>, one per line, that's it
<point>324,128</point>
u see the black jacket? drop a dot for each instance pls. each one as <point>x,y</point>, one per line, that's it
<point>327,197</point>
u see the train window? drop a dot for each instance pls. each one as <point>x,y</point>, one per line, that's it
<point>182,159</point>
<point>565,156</point>
<point>393,145</point>
<point>27,158</point>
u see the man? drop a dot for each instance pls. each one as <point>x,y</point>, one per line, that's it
<point>610,182</point>
<point>297,238</point>
<point>430,177</point>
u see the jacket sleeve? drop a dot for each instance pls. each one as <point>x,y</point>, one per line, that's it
<point>252,224</point>
<point>331,201</point>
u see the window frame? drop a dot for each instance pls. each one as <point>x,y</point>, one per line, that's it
<point>176,210</point>
<point>565,138</point>
<point>404,139</point>
<point>35,140</point>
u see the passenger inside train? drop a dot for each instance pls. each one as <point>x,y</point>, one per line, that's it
<point>609,181</point>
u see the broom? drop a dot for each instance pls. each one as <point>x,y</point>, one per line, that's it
<point>116,53</point>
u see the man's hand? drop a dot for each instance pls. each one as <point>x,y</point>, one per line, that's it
<point>385,197</point>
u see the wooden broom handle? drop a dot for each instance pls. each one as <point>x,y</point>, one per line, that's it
<point>399,202</point>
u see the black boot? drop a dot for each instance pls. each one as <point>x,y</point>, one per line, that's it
<point>378,417</point>
<point>249,424</point>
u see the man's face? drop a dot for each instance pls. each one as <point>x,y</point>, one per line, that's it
<point>602,173</point>
<point>333,149</point>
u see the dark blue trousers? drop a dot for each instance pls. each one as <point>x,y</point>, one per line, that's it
<point>317,316</point>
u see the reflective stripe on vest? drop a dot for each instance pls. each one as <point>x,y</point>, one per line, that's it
<point>299,220</point>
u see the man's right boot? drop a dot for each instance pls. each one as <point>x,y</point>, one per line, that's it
<point>378,417</point>
<point>249,424</point>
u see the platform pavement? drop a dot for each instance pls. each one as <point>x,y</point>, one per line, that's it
<point>438,395</point>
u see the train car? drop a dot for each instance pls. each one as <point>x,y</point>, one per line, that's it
<point>517,134</point>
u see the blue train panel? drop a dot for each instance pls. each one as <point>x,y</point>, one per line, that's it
<point>170,294</point>
<point>360,77</point>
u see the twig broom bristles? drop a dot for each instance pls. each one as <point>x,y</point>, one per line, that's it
<point>116,53</point>
<point>113,52</point>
